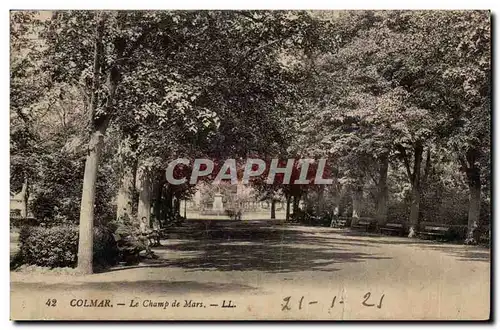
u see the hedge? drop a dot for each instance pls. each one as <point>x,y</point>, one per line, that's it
<point>57,246</point>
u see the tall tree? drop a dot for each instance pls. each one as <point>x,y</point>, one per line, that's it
<point>97,131</point>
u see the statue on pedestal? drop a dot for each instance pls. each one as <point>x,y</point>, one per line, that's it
<point>217,204</point>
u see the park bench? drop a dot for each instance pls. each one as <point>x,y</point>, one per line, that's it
<point>345,221</point>
<point>441,231</point>
<point>154,237</point>
<point>128,250</point>
<point>434,230</point>
<point>393,228</point>
<point>340,222</point>
<point>365,224</point>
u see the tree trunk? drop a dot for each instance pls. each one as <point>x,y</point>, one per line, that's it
<point>321,201</point>
<point>295,209</point>
<point>382,191</point>
<point>474,181</point>
<point>157,191</point>
<point>415,190</point>
<point>86,230</point>
<point>273,208</point>
<point>177,206</point>
<point>335,191</point>
<point>125,198</point>
<point>414,210</point>
<point>144,205</point>
<point>86,227</point>
<point>24,198</point>
<point>167,204</point>
<point>287,213</point>
<point>357,204</point>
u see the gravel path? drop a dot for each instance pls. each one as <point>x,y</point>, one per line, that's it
<point>326,273</point>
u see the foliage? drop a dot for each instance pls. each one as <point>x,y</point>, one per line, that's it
<point>354,87</point>
<point>57,246</point>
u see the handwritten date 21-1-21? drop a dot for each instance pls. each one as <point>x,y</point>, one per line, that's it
<point>367,300</point>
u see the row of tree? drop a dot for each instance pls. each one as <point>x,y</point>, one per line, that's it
<point>101,102</point>
<point>407,87</point>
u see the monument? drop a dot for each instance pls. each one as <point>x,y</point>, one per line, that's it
<point>217,205</point>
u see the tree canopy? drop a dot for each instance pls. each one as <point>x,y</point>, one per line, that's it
<point>398,102</point>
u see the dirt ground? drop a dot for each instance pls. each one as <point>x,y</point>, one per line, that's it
<point>274,272</point>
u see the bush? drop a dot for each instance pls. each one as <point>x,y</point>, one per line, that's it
<point>57,246</point>
<point>105,248</point>
<point>51,247</point>
<point>18,222</point>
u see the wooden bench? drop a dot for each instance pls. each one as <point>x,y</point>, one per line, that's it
<point>340,222</point>
<point>162,232</point>
<point>442,231</point>
<point>154,237</point>
<point>365,224</point>
<point>393,228</point>
<point>434,230</point>
<point>128,251</point>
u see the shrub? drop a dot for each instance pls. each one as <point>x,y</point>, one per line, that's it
<point>18,222</point>
<point>57,246</point>
<point>105,249</point>
<point>52,247</point>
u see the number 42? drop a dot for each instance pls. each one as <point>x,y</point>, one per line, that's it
<point>51,302</point>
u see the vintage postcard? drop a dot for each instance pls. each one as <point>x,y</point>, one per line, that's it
<point>250,165</point>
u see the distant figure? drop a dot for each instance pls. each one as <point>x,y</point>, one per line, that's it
<point>335,220</point>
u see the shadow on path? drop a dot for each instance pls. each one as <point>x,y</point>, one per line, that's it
<point>455,249</point>
<point>255,248</point>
